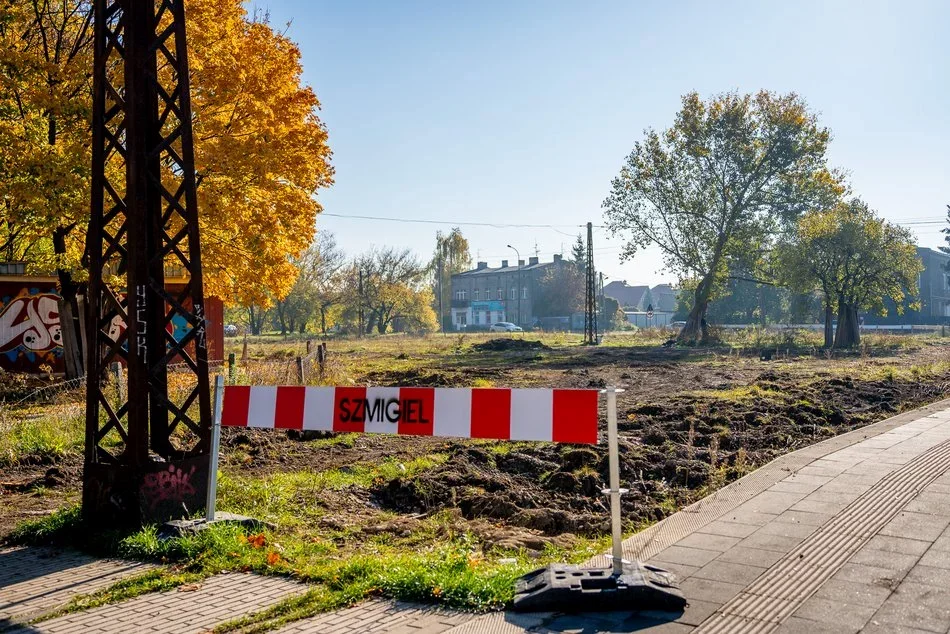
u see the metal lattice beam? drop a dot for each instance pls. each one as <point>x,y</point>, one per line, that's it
<point>147,453</point>
<point>590,309</point>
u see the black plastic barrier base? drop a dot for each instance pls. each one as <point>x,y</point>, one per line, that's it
<point>567,588</point>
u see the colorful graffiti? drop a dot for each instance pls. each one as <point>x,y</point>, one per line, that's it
<point>30,332</point>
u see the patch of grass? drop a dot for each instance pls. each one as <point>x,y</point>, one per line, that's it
<point>740,394</point>
<point>41,433</point>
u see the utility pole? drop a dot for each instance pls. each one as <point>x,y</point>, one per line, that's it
<point>359,312</point>
<point>518,293</point>
<point>141,219</point>
<point>590,313</point>
<point>441,292</point>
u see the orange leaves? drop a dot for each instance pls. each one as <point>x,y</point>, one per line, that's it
<point>272,558</point>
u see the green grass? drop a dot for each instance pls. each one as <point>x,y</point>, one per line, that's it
<point>41,433</point>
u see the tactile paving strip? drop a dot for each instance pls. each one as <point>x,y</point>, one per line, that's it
<point>781,589</point>
<point>651,541</point>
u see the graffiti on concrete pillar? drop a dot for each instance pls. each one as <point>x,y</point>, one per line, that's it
<point>30,332</point>
<point>172,485</point>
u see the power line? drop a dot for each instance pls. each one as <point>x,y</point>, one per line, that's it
<point>498,225</point>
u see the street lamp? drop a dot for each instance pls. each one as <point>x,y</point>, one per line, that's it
<point>517,253</point>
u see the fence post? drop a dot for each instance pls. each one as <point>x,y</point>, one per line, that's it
<point>614,491</point>
<point>300,371</point>
<point>215,443</point>
<point>231,369</point>
<point>322,358</point>
<point>244,350</point>
<point>308,346</point>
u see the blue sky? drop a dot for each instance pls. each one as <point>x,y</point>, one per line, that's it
<point>522,111</point>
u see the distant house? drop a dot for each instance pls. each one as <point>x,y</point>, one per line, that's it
<point>627,296</point>
<point>486,295</point>
<point>934,285</point>
<point>664,297</point>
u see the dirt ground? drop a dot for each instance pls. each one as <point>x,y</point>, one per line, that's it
<point>690,422</point>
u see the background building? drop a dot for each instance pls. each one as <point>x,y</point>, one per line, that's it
<point>485,295</point>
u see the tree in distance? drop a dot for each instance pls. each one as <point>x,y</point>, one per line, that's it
<point>855,259</point>
<point>731,171</point>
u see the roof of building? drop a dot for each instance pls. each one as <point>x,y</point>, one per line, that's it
<point>487,270</point>
<point>626,295</point>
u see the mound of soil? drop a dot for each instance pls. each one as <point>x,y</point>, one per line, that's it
<point>508,345</point>
<point>671,453</point>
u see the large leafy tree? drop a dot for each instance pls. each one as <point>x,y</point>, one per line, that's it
<point>855,260</point>
<point>394,294</point>
<point>318,288</point>
<point>560,292</point>
<point>261,151</point>
<point>946,234</point>
<point>730,172</point>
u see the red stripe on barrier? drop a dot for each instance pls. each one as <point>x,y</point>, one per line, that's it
<point>288,412</point>
<point>349,409</point>
<point>491,413</point>
<point>236,401</point>
<point>416,410</point>
<point>575,416</point>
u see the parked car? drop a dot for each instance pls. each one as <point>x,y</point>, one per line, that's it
<point>505,326</point>
<point>677,325</point>
<point>230,330</point>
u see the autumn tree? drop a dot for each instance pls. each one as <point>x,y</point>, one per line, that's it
<point>319,286</point>
<point>451,256</point>
<point>856,260</point>
<point>946,235</point>
<point>729,172</point>
<point>394,293</point>
<point>261,150</point>
<point>561,292</point>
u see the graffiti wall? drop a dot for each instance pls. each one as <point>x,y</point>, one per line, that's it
<point>31,337</point>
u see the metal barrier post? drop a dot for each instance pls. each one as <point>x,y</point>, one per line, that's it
<point>614,491</point>
<point>215,442</point>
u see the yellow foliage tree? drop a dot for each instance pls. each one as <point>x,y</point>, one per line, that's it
<point>261,150</point>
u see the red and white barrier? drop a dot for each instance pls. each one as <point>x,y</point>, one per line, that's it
<point>554,415</point>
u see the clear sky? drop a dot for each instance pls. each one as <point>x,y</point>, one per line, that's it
<point>522,111</point>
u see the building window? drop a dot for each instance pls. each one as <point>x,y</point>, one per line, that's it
<point>475,314</point>
<point>501,293</point>
<point>524,293</point>
<point>513,293</point>
<point>461,294</point>
<point>475,295</point>
<point>461,319</point>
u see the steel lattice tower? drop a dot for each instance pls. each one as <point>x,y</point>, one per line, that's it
<point>590,313</point>
<point>146,454</point>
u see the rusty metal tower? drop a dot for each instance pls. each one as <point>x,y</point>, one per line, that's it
<point>147,450</point>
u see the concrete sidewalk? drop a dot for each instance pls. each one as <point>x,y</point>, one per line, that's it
<point>851,534</point>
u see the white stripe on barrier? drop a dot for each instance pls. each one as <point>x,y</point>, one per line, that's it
<point>454,406</point>
<point>318,408</point>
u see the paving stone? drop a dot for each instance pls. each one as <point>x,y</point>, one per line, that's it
<point>916,525</point>
<point>729,529</point>
<point>818,507</point>
<point>749,516</point>
<point>766,541</point>
<point>931,575</point>
<point>774,502</point>
<point>896,563</point>
<point>37,580</point>
<point>868,594</point>
<point>790,486</point>
<point>787,529</point>
<point>904,545</point>
<point>807,518</point>
<point>708,541</point>
<point>930,502</point>
<point>751,556</point>
<point>901,610</point>
<point>874,575</point>
<point>836,612</point>
<point>688,556</point>
<point>709,590</point>
<point>680,571</point>
<point>797,625</point>
<point>729,572</point>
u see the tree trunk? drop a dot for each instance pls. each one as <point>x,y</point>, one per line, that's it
<point>848,334</point>
<point>69,311</point>
<point>829,325</point>
<point>323,321</point>
<point>696,330</point>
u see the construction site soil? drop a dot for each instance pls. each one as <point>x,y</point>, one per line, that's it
<point>689,422</point>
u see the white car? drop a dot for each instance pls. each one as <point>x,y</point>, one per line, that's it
<point>505,326</point>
